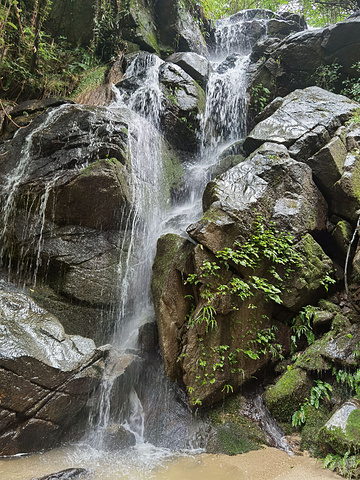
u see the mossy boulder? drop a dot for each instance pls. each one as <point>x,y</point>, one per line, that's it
<point>307,284</point>
<point>342,431</point>
<point>231,439</point>
<point>288,393</point>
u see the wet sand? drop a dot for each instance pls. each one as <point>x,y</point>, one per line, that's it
<point>265,464</point>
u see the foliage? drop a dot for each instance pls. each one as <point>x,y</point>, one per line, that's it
<point>301,326</point>
<point>345,465</point>
<point>29,57</point>
<point>318,13</point>
<point>318,392</point>
<point>351,379</point>
<point>327,76</point>
<point>260,96</point>
<point>266,247</point>
<point>352,85</point>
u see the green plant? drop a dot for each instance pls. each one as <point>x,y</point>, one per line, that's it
<point>345,465</point>
<point>327,76</point>
<point>321,390</point>
<point>352,85</point>
<point>301,326</point>
<point>351,379</point>
<point>266,246</point>
<point>260,97</point>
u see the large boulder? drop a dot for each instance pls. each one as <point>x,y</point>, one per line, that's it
<point>318,137</point>
<point>181,28</point>
<point>67,208</point>
<point>299,126</point>
<point>46,375</point>
<point>210,361</point>
<point>293,63</point>
<point>184,102</point>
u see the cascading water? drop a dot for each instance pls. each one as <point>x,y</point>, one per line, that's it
<point>224,120</point>
<point>222,124</point>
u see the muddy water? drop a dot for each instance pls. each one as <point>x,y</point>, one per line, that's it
<point>154,464</point>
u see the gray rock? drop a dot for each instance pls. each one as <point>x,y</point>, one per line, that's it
<point>45,374</point>
<point>301,127</point>
<point>291,64</point>
<point>184,101</point>
<point>195,65</point>
<point>69,474</point>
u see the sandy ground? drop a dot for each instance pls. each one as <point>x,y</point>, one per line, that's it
<point>266,464</point>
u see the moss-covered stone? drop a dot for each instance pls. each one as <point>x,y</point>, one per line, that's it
<point>342,431</point>
<point>232,432</point>
<point>329,306</point>
<point>312,359</point>
<point>315,420</point>
<point>231,439</point>
<point>286,396</point>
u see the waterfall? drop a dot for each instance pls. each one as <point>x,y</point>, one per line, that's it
<point>222,124</point>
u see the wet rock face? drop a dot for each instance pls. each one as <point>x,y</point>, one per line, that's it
<point>247,27</point>
<point>68,205</point>
<point>46,375</point>
<point>184,102</point>
<point>299,157</point>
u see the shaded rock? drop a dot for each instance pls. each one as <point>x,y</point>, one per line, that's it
<point>73,20</point>
<point>230,439</point>
<point>169,291</point>
<point>342,235</point>
<point>307,284</point>
<point>184,101</point>
<point>138,26</point>
<point>184,341</point>
<point>68,474</point>
<point>117,437</point>
<point>344,347</point>
<point>288,393</point>
<point>291,64</point>
<point>181,29</point>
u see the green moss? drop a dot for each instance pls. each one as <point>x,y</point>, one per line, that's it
<point>231,439</point>
<point>312,359</point>
<point>315,420</point>
<point>173,171</point>
<point>286,396</point>
<point>168,247</point>
<point>90,169</point>
<point>329,306</point>
<point>233,432</point>
<point>201,104</point>
<point>353,428</point>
